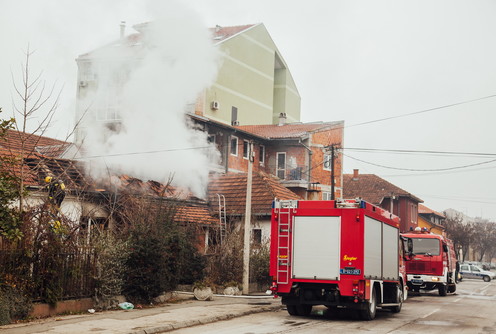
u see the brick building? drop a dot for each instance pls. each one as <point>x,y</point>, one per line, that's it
<point>380,192</point>
<point>299,154</point>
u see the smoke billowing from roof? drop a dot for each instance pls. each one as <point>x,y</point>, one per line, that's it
<point>134,120</point>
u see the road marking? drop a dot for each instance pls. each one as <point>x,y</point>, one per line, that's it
<point>430,313</point>
<point>458,299</point>
<point>485,288</point>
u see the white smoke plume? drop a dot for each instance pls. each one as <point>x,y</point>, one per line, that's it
<point>148,87</point>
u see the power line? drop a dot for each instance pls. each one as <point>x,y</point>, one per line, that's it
<point>434,173</point>
<point>421,170</point>
<point>144,152</point>
<point>423,111</point>
<point>446,153</point>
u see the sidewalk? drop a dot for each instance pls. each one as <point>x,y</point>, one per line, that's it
<point>185,313</point>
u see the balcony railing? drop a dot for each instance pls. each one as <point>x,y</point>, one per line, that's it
<point>292,173</point>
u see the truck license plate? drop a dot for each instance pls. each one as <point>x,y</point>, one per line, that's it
<point>417,281</point>
<point>349,271</point>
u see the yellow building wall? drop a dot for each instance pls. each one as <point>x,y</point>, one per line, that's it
<point>424,223</point>
<point>248,80</point>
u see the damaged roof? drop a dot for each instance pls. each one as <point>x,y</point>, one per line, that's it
<point>265,188</point>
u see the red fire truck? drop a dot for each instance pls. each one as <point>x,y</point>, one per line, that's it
<point>341,254</point>
<point>432,265</point>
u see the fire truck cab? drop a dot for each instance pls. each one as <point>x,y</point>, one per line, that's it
<point>432,264</point>
<point>341,254</point>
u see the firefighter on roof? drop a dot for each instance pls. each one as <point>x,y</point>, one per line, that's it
<point>56,191</point>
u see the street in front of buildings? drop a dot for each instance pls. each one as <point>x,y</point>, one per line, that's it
<point>470,310</point>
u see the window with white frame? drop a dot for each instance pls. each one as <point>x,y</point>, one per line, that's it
<point>246,149</point>
<point>327,162</point>
<point>414,214</point>
<point>281,165</point>
<point>262,155</point>
<point>234,145</point>
<point>326,196</point>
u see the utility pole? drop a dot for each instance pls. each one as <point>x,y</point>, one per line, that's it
<point>247,234</point>
<point>332,173</point>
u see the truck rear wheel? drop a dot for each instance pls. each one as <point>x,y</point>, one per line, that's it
<point>369,312</point>
<point>443,290</point>
<point>292,309</point>
<point>399,300</point>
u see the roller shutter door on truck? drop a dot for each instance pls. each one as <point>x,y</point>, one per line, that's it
<point>316,247</point>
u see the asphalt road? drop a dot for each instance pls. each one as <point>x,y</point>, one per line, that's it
<point>472,309</point>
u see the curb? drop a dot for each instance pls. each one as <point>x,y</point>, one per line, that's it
<point>204,321</point>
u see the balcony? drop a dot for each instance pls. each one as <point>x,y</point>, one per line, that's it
<point>293,176</point>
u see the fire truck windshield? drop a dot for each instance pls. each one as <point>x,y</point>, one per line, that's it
<point>426,246</point>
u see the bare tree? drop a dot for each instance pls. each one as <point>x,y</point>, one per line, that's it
<point>34,97</point>
<point>484,238</point>
<point>460,233</point>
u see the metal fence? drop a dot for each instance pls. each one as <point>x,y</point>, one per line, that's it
<point>72,274</point>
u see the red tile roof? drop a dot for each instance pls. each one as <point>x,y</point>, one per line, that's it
<point>290,130</point>
<point>423,209</point>
<point>372,188</point>
<point>14,140</point>
<point>265,188</point>
<point>194,214</point>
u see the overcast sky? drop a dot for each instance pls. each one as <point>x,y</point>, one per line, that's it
<point>357,61</point>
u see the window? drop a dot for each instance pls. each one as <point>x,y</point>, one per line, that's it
<point>211,138</point>
<point>327,162</point>
<point>414,214</point>
<point>281,165</point>
<point>257,236</point>
<point>234,145</point>
<point>262,155</point>
<point>246,149</point>
<point>326,196</point>
<point>464,267</point>
<point>426,246</point>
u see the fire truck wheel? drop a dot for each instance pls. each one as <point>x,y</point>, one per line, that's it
<point>304,309</point>
<point>443,290</point>
<point>486,279</point>
<point>369,312</point>
<point>292,309</point>
<point>399,299</point>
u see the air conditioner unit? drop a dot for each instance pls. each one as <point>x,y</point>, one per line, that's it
<point>215,105</point>
<point>234,123</point>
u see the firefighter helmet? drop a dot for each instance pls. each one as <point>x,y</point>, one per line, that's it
<point>48,179</point>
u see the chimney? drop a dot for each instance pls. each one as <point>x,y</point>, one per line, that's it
<point>355,174</point>
<point>282,118</point>
<point>123,28</point>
